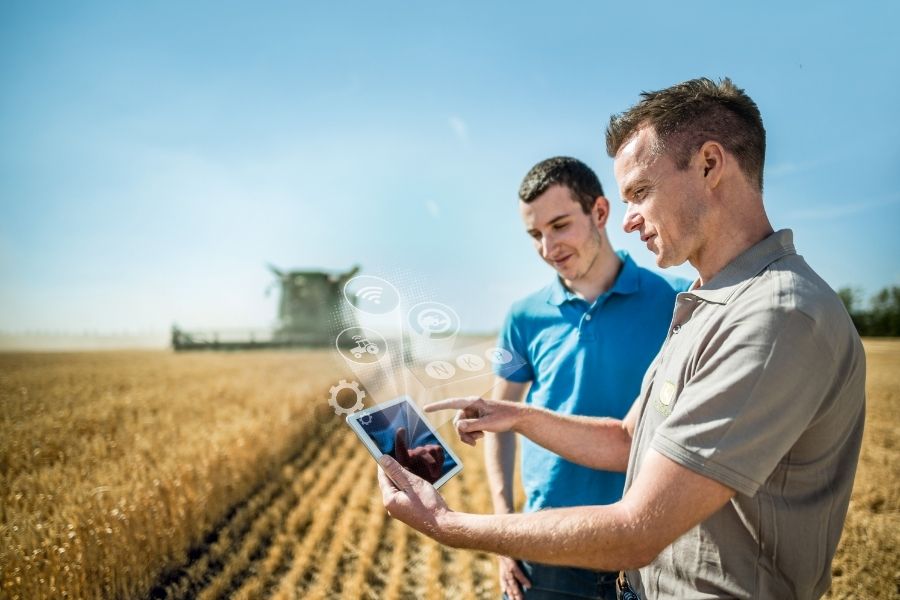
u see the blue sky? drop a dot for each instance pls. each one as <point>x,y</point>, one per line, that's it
<point>156,156</point>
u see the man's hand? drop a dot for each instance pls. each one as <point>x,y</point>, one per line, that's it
<point>512,578</point>
<point>425,461</point>
<point>410,499</point>
<point>477,415</point>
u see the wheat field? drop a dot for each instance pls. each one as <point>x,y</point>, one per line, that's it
<point>156,475</point>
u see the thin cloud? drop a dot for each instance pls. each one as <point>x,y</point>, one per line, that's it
<point>791,168</point>
<point>433,209</point>
<point>460,129</point>
<point>824,213</point>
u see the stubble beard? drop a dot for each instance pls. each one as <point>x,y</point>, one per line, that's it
<point>595,247</point>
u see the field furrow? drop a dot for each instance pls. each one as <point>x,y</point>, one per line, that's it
<point>346,529</point>
<point>306,548</point>
<point>358,563</point>
<point>398,561</point>
<point>307,488</point>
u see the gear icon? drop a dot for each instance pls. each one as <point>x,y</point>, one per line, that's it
<point>365,419</point>
<point>344,385</point>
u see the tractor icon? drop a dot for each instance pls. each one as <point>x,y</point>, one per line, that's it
<point>363,346</point>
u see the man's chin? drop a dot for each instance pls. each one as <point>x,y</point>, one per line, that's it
<point>567,274</point>
<point>662,261</point>
<point>665,262</point>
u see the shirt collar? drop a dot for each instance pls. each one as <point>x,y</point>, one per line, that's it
<point>748,264</point>
<point>627,282</point>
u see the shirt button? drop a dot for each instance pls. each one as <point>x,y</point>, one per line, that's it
<point>587,317</point>
<point>676,329</point>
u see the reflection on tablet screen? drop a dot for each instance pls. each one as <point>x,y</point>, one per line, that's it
<point>399,431</point>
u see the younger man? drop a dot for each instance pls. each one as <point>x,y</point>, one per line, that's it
<point>587,339</point>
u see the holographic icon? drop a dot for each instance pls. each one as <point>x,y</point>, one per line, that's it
<point>365,419</point>
<point>470,362</point>
<point>363,345</point>
<point>433,320</point>
<point>498,356</point>
<point>360,345</point>
<point>440,369</point>
<point>372,295</point>
<point>342,385</point>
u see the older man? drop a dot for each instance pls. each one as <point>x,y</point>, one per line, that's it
<point>742,445</point>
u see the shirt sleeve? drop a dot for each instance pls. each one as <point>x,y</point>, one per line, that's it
<point>511,339</point>
<point>752,393</point>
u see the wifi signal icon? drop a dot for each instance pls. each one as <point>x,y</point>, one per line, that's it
<point>370,293</point>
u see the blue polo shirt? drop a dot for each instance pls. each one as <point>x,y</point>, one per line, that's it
<point>585,359</point>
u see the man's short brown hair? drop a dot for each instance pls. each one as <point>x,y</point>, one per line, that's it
<point>581,181</point>
<point>689,114</point>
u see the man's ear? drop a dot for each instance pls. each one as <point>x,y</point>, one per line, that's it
<point>712,161</point>
<point>600,212</point>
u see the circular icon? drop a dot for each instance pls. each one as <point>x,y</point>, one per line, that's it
<point>433,320</point>
<point>498,356</point>
<point>470,362</point>
<point>360,345</point>
<point>440,369</point>
<point>372,295</point>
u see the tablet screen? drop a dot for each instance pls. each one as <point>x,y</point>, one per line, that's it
<point>399,429</point>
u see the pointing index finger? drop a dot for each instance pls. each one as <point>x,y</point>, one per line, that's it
<point>449,403</point>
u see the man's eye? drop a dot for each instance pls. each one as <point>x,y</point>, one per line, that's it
<point>536,235</point>
<point>560,226</point>
<point>639,193</point>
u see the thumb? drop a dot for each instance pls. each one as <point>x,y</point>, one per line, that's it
<point>485,423</point>
<point>396,472</point>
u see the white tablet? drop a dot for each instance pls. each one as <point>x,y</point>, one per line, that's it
<point>399,428</point>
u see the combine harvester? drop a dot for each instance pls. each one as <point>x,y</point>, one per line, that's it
<point>306,316</point>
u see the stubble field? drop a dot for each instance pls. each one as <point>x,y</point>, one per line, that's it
<point>154,475</point>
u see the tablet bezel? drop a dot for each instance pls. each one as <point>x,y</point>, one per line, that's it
<point>375,451</point>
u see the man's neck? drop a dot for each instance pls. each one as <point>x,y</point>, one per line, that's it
<point>600,277</point>
<point>732,239</point>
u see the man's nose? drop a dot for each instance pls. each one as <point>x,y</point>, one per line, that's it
<point>546,245</point>
<point>632,221</point>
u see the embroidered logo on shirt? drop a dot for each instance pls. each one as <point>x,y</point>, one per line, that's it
<point>665,398</point>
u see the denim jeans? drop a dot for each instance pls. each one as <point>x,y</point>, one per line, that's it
<point>567,583</point>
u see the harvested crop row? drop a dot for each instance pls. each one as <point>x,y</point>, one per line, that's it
<point>304,567</point>
<point>308,486</point>
<point>244,527</point>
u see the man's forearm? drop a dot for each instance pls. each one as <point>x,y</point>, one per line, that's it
<point>500,458</point>
<point>499,462</point>
<point>592,537</point>
<point>500,450</point>
<point>598,443</point>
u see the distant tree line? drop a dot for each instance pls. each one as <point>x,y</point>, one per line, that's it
<point>883,316</point>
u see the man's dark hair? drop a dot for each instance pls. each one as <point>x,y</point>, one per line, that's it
<point>689,114</point>
<point>570,172</point>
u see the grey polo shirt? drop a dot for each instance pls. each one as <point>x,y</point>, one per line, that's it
<point>760,385</point>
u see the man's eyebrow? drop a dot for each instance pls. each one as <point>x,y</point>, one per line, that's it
<point>555,219</point>
<point>629,188</point>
